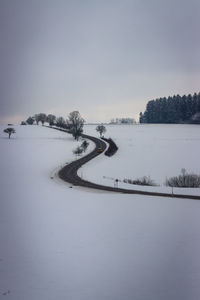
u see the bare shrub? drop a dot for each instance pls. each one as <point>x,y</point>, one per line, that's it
<point>146,180</point>
<point>184,180</point>
<point>78,151</point>
<point>84,145</point>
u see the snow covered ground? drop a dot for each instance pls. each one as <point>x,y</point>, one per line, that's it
<point>158,151</point>
<point>58,242</point>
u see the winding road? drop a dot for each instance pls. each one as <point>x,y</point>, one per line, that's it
<point>69,174</point>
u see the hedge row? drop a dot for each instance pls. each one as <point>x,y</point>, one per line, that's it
<point>112,149</point>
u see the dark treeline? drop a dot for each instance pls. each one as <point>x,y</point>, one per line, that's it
<point>112,147</point>
<point>176,109</point>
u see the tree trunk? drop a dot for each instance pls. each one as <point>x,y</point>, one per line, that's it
<point>9,135</point>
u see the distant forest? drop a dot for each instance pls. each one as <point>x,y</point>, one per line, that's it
<point>176,109</point>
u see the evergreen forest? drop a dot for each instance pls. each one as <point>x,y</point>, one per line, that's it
<point>176,109</point>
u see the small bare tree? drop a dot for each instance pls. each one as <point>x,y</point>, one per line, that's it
<point>78,151</point>
<point>9,130</point>
<point>101,129</point>
<point>84,145</point>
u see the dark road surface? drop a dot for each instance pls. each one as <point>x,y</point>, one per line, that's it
<point>69,174</point>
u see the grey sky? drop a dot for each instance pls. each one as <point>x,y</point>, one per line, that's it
<point>103,58</point>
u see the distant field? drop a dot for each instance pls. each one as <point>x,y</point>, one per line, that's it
<point>158,151</point>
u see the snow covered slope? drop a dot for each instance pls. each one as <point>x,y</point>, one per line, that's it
<point>158,151</point>
<point>58,242</point>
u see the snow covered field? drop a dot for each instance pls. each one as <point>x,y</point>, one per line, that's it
<point>62,243</point>
<point>158,151</point>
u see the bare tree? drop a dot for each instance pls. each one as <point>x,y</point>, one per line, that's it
<point>51,119</point>
<point>9,130</point>
<point>60,122</point>
<point>75,124</point>
<point>43,118</point>
<point>101,129</point>
<point>30,121</point>
<point>78,151</point>
<point>40,118</point>
<point>37,118</point>
<point>84,145</point>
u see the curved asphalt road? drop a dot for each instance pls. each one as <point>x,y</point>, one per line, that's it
<point>69,174</point>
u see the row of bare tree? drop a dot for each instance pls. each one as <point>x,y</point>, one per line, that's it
<point>74,123</point>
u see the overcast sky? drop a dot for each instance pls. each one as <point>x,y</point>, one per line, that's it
<point>105,58</point>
